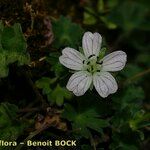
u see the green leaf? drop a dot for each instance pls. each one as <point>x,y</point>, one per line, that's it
<point>82,121</point>
<point>55,94</point>
<point>133,93</point>
<point>131,71</point>
<point>100,6</point>
<point>10,127</point>
<point>129,99</point>
<point>13,39</point>
<point>139,120</point>
<point>69,113</point>
<point>108,23</point>
<point>53,60</point>
<point>112,3</point>
<point>129,15</point>
<point>12,48</point>
<point>66,33</point>
<point>89,17</point>
<point>44,84</point>
<point>59,94</point>
<point>7,112</point>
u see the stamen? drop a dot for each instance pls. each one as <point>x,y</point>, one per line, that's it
<point>91,56</point>
<point>100,63</point>
<point>88,70</point>
<point>88,63</point>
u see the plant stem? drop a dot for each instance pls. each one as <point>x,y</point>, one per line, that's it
<point>31,135</point>
<point>93,143</point>
<point>29,110</point>
<point>137,76</point>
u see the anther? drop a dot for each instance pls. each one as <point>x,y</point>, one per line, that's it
<point>88,63</point>
<point>88,70</point>
<point>100,63</point>
<point>91,56</point>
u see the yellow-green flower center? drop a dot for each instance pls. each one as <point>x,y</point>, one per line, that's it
<point>92,64</point>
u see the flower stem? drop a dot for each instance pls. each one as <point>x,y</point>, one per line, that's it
<point>137,76</point>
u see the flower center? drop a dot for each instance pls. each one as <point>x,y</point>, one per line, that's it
<point>92,65</point>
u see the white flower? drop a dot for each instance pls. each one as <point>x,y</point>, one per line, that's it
<point>90,69</point>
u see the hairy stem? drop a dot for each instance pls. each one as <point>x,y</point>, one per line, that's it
<point>137,76</point>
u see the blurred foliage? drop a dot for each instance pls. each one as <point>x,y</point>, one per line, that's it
<point>83,120</point>
<point>12,48</point>
<point>54,95</point>
<point>134,18</point>
<point>66,33</point>
<point>56,67</point>
<point>121,121</point>
<point>10,126</point>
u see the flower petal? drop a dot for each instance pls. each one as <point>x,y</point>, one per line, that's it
<point>72,59</point>
<point>91,43</point>
<point>79,82</point>
<point>104,83</point>
<point>114,61</point>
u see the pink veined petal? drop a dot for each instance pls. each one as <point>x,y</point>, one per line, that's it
<point>114,61</point>
<point>72,59</point>
<point>91,43</point>
<point>104,83</point>
<point>79,82</point>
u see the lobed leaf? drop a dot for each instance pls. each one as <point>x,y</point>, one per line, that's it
<point>12,48</point>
